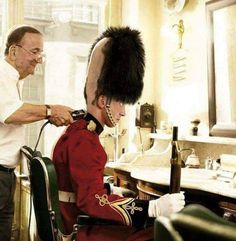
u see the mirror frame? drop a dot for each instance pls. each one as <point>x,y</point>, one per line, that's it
<point>214,128</point>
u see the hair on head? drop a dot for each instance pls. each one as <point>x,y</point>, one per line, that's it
<point>16,35</point>
<point>121,76</point>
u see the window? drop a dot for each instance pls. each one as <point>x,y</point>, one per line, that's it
<point>69,28</point>
<point>1,23</point>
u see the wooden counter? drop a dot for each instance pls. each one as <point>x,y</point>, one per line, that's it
<point>204,189</point>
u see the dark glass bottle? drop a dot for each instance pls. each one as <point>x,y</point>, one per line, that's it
<point>175,162</point>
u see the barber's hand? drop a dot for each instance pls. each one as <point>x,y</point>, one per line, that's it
<point>61,115</point>
<point>123,192</point>
<point>166,205</point>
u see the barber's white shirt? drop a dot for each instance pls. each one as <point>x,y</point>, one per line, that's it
<point>12,137</point>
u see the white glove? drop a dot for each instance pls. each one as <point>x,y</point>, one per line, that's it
<point>121,191</point>
<point>116,190</point>
<point>166,205</point>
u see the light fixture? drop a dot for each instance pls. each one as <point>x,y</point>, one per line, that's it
<point>174,6</point>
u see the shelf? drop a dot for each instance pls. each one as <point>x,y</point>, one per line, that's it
<point>202,139</point>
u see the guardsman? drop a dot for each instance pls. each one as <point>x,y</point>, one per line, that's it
<point>114,79</point>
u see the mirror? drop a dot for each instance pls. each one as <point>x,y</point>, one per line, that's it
<point>221,22</point>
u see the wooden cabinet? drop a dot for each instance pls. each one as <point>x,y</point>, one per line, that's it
<point>123,179</point>
<point>229,210</point>
<point>222,205</point>
<point>148,191</point>
<point>24,219</point>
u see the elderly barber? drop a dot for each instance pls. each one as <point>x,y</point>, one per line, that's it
<point>23,51</point>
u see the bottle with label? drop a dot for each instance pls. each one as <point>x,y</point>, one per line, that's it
<point>175,161</point>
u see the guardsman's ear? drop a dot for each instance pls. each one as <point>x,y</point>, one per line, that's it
<point>101,102</point>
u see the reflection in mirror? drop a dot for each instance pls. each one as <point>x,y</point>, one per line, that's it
<point>221,21</point>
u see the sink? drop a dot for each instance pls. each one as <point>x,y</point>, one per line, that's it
<point>157,153</point>
<point>149,159</point>
<point>153,159</point>
<point>128,157</point>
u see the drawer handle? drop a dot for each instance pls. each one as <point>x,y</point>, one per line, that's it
<point>229,216</point>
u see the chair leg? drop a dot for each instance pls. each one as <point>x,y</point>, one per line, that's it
<point>70,237</point>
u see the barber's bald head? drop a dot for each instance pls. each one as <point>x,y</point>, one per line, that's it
<point>116,66</point>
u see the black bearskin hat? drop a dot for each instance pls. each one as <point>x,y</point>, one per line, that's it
<point>119,66</point>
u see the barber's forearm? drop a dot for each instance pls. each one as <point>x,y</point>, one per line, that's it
<point>27,113</point>
<point>60,115</point>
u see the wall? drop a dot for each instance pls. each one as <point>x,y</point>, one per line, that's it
<point>141,15</point>
<point>181,101</point>
<point>177,102</point>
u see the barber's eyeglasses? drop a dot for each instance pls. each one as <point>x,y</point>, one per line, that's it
<point>36,53</point>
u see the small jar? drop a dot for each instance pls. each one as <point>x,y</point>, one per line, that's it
<point>195,124</point>
<point>209,163</point>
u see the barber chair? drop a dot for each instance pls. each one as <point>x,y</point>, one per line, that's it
<point>44,191</point>
<point>194,223</point>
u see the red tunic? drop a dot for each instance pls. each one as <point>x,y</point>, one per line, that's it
<point>79,160</point>
<point>114,233</point>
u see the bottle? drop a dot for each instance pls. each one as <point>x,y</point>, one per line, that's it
<point>137,118</point>
<point>175,161</point>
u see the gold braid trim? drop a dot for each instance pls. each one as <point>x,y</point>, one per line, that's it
<point>109,114</point>
<point>121,206</point>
